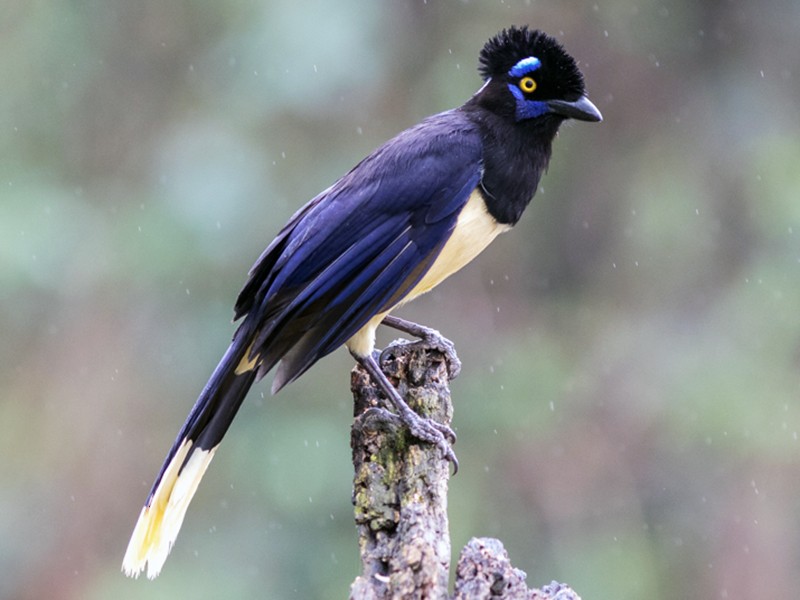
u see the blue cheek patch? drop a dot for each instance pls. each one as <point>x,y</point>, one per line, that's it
<point>525,66</point>
<point>526,109</point>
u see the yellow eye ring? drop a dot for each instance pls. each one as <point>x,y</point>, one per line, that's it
<point>527,84</point>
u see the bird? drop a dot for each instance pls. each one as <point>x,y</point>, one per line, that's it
<point>413,212</point>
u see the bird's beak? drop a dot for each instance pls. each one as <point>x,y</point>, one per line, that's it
<point>581,109</point>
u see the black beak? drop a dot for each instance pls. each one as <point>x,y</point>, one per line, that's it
<point>581,109</point>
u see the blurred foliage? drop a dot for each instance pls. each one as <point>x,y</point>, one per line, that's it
<point>628,412</point>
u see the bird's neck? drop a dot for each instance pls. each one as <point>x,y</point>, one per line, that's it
<point>515,155</point>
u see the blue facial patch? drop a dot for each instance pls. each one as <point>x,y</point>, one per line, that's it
<point>525,66</point>
<point>526,109</point>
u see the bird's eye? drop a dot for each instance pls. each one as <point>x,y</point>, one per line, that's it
<point>527,84</point>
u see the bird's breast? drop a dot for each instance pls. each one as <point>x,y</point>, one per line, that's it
<point>475,229</point>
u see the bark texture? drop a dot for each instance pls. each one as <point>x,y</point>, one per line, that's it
<point>400,485</point>
<point>400,496</point>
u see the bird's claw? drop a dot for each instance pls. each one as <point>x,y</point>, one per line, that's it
<point>433,432</point>
<point>435,340</point>
<point>429,338</point>
<point>424,429</point>
<point>445,430</point>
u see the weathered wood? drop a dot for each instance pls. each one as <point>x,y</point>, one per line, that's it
<point>485,571</point>
<point>400,496</point>
<point>400,485</point>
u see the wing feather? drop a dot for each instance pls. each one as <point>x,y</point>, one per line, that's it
<point>359,247</point>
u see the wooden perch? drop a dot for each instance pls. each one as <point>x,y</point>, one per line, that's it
<point>400,497</point>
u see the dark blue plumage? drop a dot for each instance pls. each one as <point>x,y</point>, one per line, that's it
<point>357,247</point>
<point>406,217</point>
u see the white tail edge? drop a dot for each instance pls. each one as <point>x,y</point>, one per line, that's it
<point>162,517</point>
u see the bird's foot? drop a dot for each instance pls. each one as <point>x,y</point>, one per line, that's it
<point>431,338</point>
<point>428,430</point>
<point>424,429</point>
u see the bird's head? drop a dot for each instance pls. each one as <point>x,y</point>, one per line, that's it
<point>530,76</point>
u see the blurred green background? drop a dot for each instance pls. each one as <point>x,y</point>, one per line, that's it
<point>629,407</point>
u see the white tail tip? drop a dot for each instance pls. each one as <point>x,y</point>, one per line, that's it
<point>162,517</point>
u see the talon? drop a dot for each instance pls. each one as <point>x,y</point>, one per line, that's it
<point>437,435</point>
<point>441,344</point>
<point>448,349</point>
<point>451,456</point>
<point>431,338</point>
<point>424,429</point>
<point>446,431</point>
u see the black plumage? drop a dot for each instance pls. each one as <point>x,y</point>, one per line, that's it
<point>407,216</point>
<point>559,74</point>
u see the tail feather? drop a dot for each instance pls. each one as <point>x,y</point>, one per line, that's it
<point>187,461</point>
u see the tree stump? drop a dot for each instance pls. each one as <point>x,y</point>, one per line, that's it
<point>400,496</point>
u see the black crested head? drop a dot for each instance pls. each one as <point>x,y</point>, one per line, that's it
<point>532,86</point>
<point>530,78</point>
<point>558,72</point>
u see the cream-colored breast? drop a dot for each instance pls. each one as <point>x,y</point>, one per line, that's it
<point>474,230</point>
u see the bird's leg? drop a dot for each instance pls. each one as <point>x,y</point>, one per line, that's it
<point>432,338</point>
<point>422,428</point>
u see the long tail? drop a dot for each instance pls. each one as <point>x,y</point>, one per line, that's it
<point>187,461</point>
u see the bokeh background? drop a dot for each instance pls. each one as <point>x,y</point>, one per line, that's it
<point>629,408</point>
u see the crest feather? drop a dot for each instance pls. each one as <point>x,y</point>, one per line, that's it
<point>511,45</point>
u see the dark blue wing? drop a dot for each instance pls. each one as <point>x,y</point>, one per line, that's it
<point>359,247</point>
